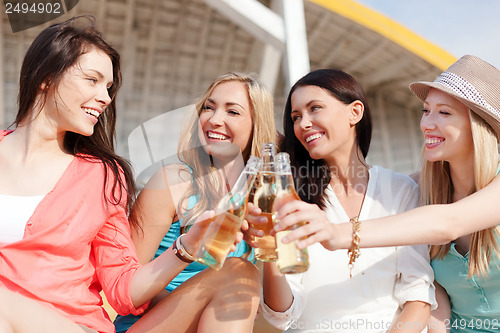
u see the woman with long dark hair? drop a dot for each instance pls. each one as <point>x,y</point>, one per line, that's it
<point>64,198</point>
<point>328,127</point>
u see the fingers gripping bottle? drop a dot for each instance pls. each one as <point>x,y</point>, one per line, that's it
<point>265,191</point>
<point>229,215</point>
<point>290,258</point>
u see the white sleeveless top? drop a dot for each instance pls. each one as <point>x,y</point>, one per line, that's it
<point>15,211</point>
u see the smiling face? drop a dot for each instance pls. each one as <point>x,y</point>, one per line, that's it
<point>446,127</point>
<point>324,125</point>
<point>81,95</point>
<point>226,120</point>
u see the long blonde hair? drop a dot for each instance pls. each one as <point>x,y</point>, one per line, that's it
<point>436,187</point>
<point>205,181</point>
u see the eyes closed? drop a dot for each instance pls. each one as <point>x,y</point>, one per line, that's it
<point>443,112</point>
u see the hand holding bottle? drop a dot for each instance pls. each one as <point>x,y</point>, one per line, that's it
<point>317,229</point>
<point>253,218</point>
<point>192,240</point>
<point>224,227</point>
<point>263,197</point>
<point>291,259</point>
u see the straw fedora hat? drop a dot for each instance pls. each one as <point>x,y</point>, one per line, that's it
<point>473,82</point>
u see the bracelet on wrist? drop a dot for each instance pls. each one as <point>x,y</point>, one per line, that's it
<point>354,251</point>
<point>181,252</point>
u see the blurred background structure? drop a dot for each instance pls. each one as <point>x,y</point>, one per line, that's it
<point>172,49</point>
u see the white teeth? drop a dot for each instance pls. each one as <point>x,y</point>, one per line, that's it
<point>216,136</point>
<point>313,137</point>
<point>431,141</point>
<point>91,112</point>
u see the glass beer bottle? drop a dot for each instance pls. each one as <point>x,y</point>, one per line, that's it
<point>290,258</point>
<point>229,215</point>
<point>265,191</point>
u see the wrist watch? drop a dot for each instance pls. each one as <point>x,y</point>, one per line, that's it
<point>181,252</point>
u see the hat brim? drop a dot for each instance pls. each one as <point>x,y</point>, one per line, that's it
<point>421,90</point>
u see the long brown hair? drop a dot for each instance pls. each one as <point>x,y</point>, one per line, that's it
<point>52,53</point>
<point>344,88</point>
<point>201,163</point>
<point>437,188</point>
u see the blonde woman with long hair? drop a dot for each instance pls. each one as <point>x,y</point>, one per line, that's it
<point>460,188</point>
<point>232,120</point>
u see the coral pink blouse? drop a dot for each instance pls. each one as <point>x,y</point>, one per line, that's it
<point>75,244</point>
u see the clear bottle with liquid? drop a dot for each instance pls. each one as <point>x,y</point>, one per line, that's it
<point>290,258</point>
<point>263,197</point>
<point>229,215</point>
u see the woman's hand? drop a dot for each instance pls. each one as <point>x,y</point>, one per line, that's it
<point>251,219</point>
<point>316,230</point>
<point>193,237</point>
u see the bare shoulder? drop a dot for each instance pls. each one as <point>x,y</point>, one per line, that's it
<point>168,176</point>
<point>168,186</point>
<point>157,202</point>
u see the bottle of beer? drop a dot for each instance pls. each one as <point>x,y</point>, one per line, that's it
<point>290,258</point>
<point>265,192</point>
<point>229,215</point>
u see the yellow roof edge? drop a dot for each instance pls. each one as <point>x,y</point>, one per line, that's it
<point>390,29</point>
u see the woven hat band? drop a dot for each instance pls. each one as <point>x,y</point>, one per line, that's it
<point>465,90</point>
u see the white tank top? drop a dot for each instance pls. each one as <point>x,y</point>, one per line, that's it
<point>15,211</point>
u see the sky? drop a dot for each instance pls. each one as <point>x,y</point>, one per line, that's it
<point>457,26</point>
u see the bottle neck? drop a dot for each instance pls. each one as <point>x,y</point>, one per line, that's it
<point>235,202</point>
<point>285,181</point>
<point>244,183</point>
<point>268,156</point>
<point>246,179</point>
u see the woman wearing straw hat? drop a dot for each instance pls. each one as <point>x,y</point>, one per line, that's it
<point>461,127</point>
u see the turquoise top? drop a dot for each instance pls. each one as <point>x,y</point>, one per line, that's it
<point>123,323</point>
<point>475,302</point>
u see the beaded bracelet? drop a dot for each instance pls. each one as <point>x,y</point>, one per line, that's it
<point>354,252</point>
